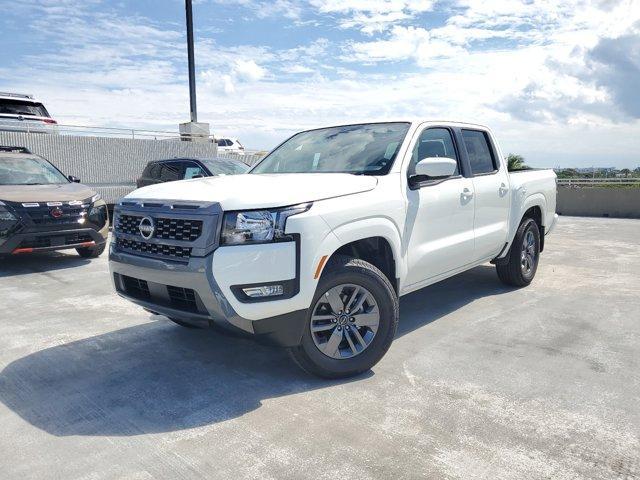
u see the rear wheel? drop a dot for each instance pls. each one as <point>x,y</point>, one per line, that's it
<point>351,323</point>
<point>523,256</point>
<point>91,252</point>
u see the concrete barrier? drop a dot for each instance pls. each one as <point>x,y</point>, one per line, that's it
<point>599,202</point>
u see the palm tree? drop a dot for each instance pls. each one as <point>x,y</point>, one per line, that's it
<point>515,162</point>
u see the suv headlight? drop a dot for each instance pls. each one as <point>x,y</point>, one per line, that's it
<point>258,226</point>
<point>7,220</point>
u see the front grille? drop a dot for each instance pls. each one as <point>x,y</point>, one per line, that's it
<point>55,241</point>
<point>165,228</point>
<point>136,288</point>
<point>171,251</point>
<point>178,298</point>
<point>71,215</point>
<point>182,298</point>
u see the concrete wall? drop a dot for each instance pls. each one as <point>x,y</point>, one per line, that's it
<point>110,165</point>
<point>599,202</point>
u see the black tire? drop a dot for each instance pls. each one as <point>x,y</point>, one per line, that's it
<point>91,252</point>
<point>513,272</point>
<point>346,270</point>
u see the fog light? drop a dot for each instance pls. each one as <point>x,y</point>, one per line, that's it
<point>264,291</point>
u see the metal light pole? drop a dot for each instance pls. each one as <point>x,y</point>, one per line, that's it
<point>192,66</point>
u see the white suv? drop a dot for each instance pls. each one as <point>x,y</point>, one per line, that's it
<point>230,145</point>
<point>23,113</point>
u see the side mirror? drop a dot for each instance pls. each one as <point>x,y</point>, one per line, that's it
<point>436,167</point>
<point>73,179</point>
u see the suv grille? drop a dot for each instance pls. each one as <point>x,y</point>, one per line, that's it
<point>173,251</point>
<point>46,241</point>
<point>165,228</point>
<point>71,215</point>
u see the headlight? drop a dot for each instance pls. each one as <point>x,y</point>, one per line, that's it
<point>8,221</point>
<point>96,197</point>
<point>5,214</point>
<point>258,226</point>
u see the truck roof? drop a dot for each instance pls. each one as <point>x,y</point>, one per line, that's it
<point>414,121</point>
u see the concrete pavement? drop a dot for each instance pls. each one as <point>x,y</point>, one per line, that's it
<point>482,381</point>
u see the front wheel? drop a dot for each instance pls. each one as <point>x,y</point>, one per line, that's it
<point>351,323</point>
<point>91,252</point>
<point>523,256</point>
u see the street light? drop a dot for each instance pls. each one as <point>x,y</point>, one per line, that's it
<point>192,131</point>
<point>192,66</point>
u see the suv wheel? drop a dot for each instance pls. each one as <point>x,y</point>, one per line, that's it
<point>352,320</point>
<point>91,252</point>
<point>523,256</point>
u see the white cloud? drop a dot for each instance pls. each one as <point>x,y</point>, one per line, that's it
<point>403,43</point>
<point>248,71</point>
<point>371,16</point>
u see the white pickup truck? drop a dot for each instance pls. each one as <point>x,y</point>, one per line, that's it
<point>311,249</point>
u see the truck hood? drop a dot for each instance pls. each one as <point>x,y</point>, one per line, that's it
<point>63,192</point>
<point>235,192</point>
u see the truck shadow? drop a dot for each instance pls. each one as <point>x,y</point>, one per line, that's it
<point>39,262</point>
<point>157,377</point>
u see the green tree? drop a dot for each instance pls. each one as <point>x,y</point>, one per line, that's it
<point>625,171</point>
<point>568,173</point>
<point>515,162</point>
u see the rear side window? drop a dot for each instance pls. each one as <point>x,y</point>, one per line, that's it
<point>433,142</point>
<point>479,151</point>
<point>17,107</point>
<point>170,172</point>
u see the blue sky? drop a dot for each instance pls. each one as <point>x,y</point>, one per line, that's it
<point>555,80</point>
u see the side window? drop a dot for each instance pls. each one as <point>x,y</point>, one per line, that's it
<point>193,169</point>
<point>433,142</point>
<point>479,151</point>
<point>170,172</point>
<point>154,171</point>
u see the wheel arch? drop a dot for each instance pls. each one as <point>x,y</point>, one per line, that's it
<point>376,241</point>
<point>534,206</point>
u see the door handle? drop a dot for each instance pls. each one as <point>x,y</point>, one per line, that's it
<point>466,193</point>
<point>503,189</point>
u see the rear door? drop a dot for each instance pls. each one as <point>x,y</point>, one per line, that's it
<point>440,212</point>
<point>491,186</point>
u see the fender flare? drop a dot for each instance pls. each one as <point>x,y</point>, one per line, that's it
<point>533,200</point>
<point>369,228</point>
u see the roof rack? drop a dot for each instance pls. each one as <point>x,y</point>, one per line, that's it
<point>17,95</point>
<point>4,148</point>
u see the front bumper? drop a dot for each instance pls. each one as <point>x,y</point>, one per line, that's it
<point>42,241</point>
<point>189,292</point>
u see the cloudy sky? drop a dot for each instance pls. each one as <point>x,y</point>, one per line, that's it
<point>558,81</point>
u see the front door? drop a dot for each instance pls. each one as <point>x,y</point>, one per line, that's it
<point>440,213</point>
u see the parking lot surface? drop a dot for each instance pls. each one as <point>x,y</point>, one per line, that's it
<point>482,381</point>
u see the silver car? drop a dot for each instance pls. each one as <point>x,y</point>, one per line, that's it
<point>23,113</point>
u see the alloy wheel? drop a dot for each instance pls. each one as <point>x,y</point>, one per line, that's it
<point>344,321</point>
<point>528,253</point>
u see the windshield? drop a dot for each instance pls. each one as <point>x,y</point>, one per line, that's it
<point>16,107</point>
<point>225,167</point>
<point>28,171</point>
<point>368,149</point>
